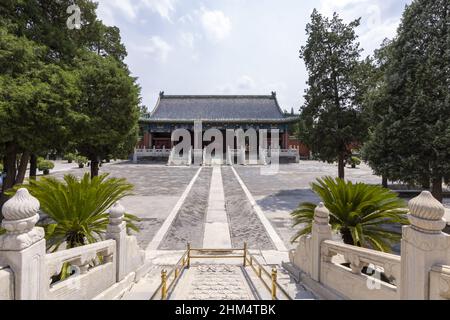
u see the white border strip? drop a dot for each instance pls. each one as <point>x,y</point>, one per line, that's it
<point>279,244</point>
<point>159,237</point>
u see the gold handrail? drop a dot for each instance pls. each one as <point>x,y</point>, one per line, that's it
<point>185,262</point>
<point>274,286</point>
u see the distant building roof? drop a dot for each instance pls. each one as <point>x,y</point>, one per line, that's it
<point>217,108</point>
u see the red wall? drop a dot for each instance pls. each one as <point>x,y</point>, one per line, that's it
<point>297,144</point>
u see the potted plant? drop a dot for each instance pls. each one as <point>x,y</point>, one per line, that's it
<point>81,161</point>
<point>45,166</point>
<point>355,161</point>
<point>70,157</point>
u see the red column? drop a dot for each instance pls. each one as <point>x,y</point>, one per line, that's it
<point>285,140</point>
<point>146,140</point>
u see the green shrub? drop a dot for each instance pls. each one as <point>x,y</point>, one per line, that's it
<point>361,213</point>
<point>78,208</point>
<point>81,160</point>
<point>45,165</point>
<point>1,167</point>
<point>70,157</point>
<point>355,161</point>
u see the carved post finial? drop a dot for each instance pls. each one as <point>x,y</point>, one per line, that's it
<point>321,215</point>
<point>116,214</point>
<point>426,214</point>
<point>21,215</point>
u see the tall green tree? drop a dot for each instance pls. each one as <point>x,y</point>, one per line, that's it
<point>35,104</point>
<point>331,116</point>
<point>411,142</point>
<point>110,110</point>
<point>57,62</point>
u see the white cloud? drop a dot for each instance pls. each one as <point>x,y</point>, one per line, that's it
<point>157,48</point>
<point>245,83</point>
<point>164,8</point>
<point>328,7</point>
<point>216,24</point>
<point>108,9</point>
<point>187,39</point>
<point>375,27</point>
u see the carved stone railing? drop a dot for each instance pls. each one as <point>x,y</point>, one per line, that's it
<point>153,152</point>
<point>94,271</point>
<point>6,283</point>
<point>359,258</point>
<point>342,270</point>
<point>422,271</point>
<point>150,153</point>
<point>100,269</point>
<point>440,283</point>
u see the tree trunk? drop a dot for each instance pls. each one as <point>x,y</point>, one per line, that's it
<point>94,168</point>
<point>10,167</point>
<point>33,167</point>
<point>347,236</point>
<point>10,170</point>
<point>426,183</point>
<point>384,182</point>
<point>24,159</point>
<point>437,188</point>
<point>341,166</point>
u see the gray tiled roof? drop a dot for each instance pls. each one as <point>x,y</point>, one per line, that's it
<point>217,108</point>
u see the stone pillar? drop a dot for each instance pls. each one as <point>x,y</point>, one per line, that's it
<point>117,230</point>
<point>321,230</point>
<point>22,247</point>
<point>423,245</point>
<point>135,157</point>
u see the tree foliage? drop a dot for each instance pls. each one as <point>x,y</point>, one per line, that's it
<point>411,102</point>
<point>110,109</point>
<point>44,104</point>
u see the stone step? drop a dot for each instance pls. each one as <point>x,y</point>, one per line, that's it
<point>213,282</point>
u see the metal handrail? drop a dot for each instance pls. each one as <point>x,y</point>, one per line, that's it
<point>167,284</point>
<point>274,285</point>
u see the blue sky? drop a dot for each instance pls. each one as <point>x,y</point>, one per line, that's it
<point>233,46</point>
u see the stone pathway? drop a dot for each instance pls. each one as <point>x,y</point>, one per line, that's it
<point>213,282</point>
<point>217,231</point>
<point>188,226</point>
<point>245,226</point>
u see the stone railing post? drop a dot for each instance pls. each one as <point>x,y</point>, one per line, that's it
<point>117,230</point>
<point>321,231</point>
<point>135,157</point>
<point>423,245</point>
<point>22,247</point>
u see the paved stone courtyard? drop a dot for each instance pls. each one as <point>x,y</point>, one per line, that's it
<point>158,188</point>
<point>218,207</point>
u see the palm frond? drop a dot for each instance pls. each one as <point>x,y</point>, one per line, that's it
<point>365,210</point>
<point>78,207</point>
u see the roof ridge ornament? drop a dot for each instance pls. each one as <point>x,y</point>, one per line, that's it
<point>274,93</point>
<point>161,94</point>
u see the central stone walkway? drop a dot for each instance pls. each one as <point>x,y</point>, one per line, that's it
<point>213,282</point>
<point>217,231</point>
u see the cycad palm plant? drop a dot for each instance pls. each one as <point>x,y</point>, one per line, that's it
<point>363,214</point>
<point>78,208</point>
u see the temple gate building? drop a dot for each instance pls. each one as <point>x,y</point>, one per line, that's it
<point>220,112</point>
